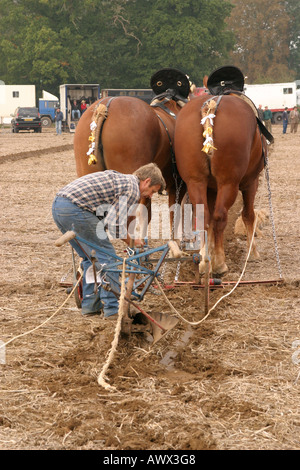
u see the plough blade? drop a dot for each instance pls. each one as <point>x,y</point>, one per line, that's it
<point>163,324</point>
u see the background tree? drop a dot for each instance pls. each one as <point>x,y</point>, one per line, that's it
<point>41,41</point>
<point>188,35</point>
<point>117,43</point>
<point>293,10</point>
<point>263,39</point>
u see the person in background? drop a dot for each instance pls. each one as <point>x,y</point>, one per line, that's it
<point>260,112</point>
<point>294,119</point>
<point>58,121</point>
<point>83,106</point>
<point>268,118</point>
<point>285,120</point>
<point>75,110</point>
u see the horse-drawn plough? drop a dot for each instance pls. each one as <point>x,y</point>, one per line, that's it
<point>234,153</point>
<point>142,270</point>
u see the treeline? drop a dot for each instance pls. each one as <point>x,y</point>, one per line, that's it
<point>121,43</point>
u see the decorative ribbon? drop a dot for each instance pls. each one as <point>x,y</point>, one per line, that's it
<point>90,153</point>
<point>207,122</point>
<point>210,117</point>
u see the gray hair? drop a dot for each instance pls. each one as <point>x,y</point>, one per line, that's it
<point>151,171</point>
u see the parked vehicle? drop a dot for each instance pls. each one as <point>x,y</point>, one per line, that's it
<point>25,119</point>
<point>277,96</point>
<point>79,92</point>
<point>14,96</point>
<point>47,107</point>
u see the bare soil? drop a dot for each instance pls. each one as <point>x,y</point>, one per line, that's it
<point>229,383</point>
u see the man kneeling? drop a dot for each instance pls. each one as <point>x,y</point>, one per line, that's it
<point>77,207</point>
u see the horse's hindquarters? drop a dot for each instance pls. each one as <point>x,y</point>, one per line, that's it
<point>213,178</point>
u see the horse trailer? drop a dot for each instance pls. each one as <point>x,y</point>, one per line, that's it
<point>277,96</point>
<point>14,96</point>
<point>89,93</point>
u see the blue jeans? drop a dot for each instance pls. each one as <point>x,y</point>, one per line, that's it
<point>69,216</point>
<point>284,124</point>
<point>58,127</point>
<point>75,114</point>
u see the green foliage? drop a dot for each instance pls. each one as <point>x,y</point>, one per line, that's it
<point>187,35</point>
<point>121,43</point>
<point>118,43</point>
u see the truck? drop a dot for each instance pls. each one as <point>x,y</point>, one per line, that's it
<point>14,96</point>
<point>277,96</point>
<point>79,92</point>
<point>47,107</point>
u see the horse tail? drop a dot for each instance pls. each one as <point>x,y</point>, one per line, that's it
<point>95,148</point>
<point>208,113</point>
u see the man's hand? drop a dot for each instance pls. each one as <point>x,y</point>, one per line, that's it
<point>138,243</point>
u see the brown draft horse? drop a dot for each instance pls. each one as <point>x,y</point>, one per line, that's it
<point>233,163</point>
<point>134,133</point>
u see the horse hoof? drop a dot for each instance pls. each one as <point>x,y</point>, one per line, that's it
<point>202,268</point>
<point>254,256</point>
<point>220,271</point>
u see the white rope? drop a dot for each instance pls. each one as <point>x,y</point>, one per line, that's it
<point>46,321</point>
<point>114,344</point>
<point>223,297</point>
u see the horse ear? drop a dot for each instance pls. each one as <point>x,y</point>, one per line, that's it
<point>205,81</point>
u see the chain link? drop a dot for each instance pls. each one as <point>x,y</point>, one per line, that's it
<point>64,277</point>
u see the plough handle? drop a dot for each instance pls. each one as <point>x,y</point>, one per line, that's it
<point>66,237</point>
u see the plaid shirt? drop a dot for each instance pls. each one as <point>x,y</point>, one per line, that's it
<point>104,191</point>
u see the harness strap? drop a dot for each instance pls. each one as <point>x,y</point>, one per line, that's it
<point>171,94</point>
<point>161,106</point>
<point>212,98</point>
<point>262,129</point>
<point>100,145</point>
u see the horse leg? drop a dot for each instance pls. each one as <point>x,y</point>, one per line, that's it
<point>144,214</point>
<point>198,195</point>
<point>226,196</point>
<point>177,197</point>
<point>208,227</point>
<point>211,201</point>
<point>248,215</point>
